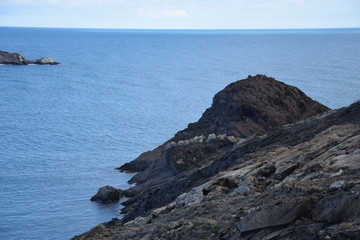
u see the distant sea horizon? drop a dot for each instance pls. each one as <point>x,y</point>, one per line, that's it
<point>193,29</point>
<point>120,92</point>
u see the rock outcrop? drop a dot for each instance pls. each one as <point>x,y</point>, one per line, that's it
<point>107,194</point>
<point>16,59</point>
<point>259,102</point>
<point>297,179</point>
<point>243,108</point>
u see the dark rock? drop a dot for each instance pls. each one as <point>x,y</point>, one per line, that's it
<point>17,59</point>
<point>338,208</point>
<point>187,157</point>
<point>284,171</point>
<point>243,108</point>
<point>270,187</point>
<point>272,215</point>
<point>107,194</point>
<point>254,105</point>
<point>12,58</point>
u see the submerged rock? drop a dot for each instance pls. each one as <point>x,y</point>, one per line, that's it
<point>17,59</point>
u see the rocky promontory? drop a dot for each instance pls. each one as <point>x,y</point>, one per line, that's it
<point>8,58</point>
<point>263,162</point>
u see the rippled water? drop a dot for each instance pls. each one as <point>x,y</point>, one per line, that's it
<point>63,129</point>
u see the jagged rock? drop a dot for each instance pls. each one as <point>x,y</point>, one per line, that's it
<point>243,108</point>
<point>12,58</point>
<point>284,171</point>
<point>273,187</point>
<point>17,59</point>
<point>338,208</point>
<point>107,194</point>
<point>272,215</point>
<point>254,105</point>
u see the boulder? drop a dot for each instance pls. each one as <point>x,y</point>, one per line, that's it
<point>107,194</point>
<point>337,185</point>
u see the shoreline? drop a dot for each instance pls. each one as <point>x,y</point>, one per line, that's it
<point>207,188</point>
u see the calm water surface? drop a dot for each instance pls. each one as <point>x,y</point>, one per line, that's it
<point>118,93</point>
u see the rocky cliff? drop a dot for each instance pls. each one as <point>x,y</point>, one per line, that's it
<point>16,59</point>
<point>263,162</point>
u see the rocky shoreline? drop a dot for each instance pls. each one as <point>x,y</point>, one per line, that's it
<point>263,162</point>
<point>8,58</point>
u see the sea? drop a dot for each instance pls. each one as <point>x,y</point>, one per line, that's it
<point>64,129</point>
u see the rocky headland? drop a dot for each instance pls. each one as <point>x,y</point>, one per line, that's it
<point>8,58</point>
<point>263,162</point>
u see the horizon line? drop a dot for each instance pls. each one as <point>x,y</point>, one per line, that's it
<point>189,29</point>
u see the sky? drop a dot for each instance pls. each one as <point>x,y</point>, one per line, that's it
<point>181,14</point>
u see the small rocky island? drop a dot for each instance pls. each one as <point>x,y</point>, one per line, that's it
<point>8,58</point>
<point>263,162</point>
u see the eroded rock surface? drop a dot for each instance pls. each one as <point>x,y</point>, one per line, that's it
<point>294,181</point>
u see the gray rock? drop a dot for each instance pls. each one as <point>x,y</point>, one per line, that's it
<point>338,208</point>
<point>12,58</point>
<point>192,197</point>
<point>46,61</point>
<point>337,185</point>
<point>243,190</point>
<point>244,187</point>
<point>272,215</point>
<point>107,194</point>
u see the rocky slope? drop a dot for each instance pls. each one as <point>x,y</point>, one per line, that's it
<point>275,181</point>
<point>16,59</point>
<point>259,102</point>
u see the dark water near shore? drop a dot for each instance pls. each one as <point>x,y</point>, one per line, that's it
<point>63,129</point>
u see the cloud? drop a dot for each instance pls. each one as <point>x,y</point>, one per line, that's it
<point>162,13</point>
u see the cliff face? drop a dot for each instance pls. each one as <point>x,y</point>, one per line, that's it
<point>244,108</point>
<point>275,181</point>
<point>17,59</point>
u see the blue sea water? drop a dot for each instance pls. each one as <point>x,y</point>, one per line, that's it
<point>118,93</point>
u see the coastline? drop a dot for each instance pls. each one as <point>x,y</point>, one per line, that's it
<point>276,173</point>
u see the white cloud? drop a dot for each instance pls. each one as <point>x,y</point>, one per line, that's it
<point>162,13</point>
